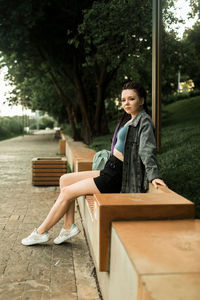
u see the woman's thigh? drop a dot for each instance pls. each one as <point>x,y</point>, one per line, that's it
<point>81,188</point>
<point>71,178</point>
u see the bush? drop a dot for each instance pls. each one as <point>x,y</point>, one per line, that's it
<point>10,127</point>
<point>43,123</point>
<point>46,122</point>
<point>168,99</point>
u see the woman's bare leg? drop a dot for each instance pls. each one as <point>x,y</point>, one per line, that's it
<point>69,216</point>
<point>67,180</point>
<point>65,199</point>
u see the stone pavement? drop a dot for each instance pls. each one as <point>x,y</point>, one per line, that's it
<point>45,271</point>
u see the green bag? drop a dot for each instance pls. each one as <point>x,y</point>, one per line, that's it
<point>100,159</point>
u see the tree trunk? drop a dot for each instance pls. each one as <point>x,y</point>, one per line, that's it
<point>69,109</point>
<point>196,84</point>
<point>86,131</point>
<point>61,95</point>
<point>100,122</point>
<point>104,129</point>
<point>75,134</point>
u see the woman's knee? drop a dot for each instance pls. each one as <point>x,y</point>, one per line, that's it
<point>66,195</point>
<point>64,180</point>
<point>61,181</point>
<point>68,179</point>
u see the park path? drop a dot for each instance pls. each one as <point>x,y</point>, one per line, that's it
<point>45,271</point>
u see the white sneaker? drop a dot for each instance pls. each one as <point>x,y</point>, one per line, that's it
<point>66,234</point>
<point>35,238</point>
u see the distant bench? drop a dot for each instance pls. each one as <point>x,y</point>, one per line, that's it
<point>106,215</point>
<point>79,156</point>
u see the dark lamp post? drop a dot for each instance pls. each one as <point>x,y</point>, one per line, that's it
<point>156,69</point>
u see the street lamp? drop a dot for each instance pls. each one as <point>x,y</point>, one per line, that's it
<point>156,69</point>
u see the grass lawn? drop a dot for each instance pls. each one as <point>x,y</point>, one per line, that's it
<point>179,160</point>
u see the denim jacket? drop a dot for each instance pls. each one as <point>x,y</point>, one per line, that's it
<point>140,165</point>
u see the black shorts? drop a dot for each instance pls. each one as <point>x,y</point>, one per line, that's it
<point>110,178</point>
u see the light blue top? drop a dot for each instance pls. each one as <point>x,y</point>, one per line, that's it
<point>121,137</point>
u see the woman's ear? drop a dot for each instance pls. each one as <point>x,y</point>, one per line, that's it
<point>141,101</point>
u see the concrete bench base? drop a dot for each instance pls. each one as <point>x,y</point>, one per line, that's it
<point>162,258</point>
<point>103,209</point>
<point>145,253</point>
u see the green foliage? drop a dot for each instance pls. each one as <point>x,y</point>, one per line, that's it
<point>179,160</point>
<point>110,35</point>
<point>101,142</point>
<point>116,38</point>
<point>191,61</point>
<point>183,112</point>
<point>195,4</point>
<point>43,123</point>
<point>167,99</point>
<point>68,168</point>
<point>172,59</point>
<point>111,109</point>
<point>104,141</point>
<point>67,129</point>
<point>47,122</point>
<point>33,89</point>
<point>35,51</point>
<point>10,127</point>
<point>69,57</point>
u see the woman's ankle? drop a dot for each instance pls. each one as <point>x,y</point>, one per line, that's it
<point>68,226</point>
<point>39,231</point>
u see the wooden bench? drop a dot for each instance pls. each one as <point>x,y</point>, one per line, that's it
<point>79,156</point>
<point>62,144</point>
<point>103,209</point>
<point>104,214</point>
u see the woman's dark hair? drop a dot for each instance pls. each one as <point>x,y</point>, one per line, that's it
<point>141,92</point>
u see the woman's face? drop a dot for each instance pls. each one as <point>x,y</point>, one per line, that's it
<point>131,103</point>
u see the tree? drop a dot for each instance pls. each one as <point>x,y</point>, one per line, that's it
<point>72,52</point>
<point>111,31</point>
<point>191,46</point>
<point>195,5</point>
<point>172,60</point>
<point>36,38</point>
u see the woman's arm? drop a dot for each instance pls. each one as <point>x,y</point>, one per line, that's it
<point>147,153</point>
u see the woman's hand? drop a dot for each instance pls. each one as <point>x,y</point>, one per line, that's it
<point>157,181</point>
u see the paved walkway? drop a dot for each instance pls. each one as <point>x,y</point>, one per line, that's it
<point>45,271</point>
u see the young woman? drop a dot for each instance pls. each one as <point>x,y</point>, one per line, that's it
<point>130,168</point>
